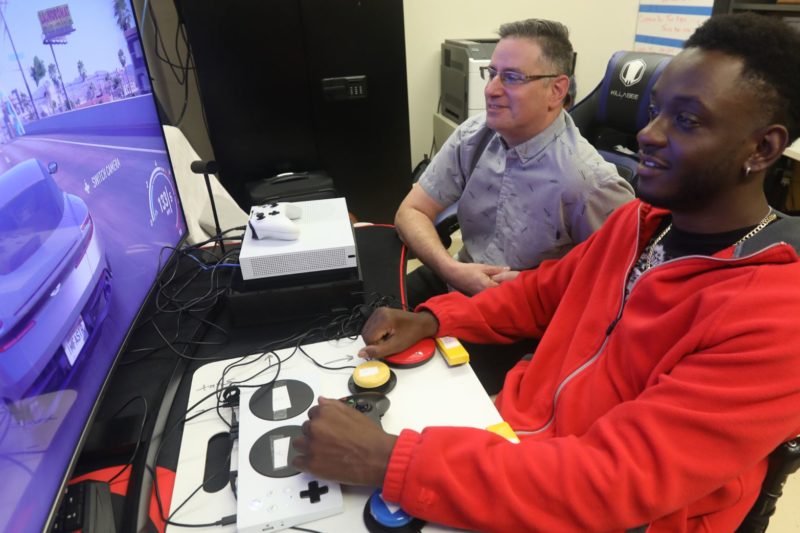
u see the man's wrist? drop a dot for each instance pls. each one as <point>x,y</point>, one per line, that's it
<point>384,456</point>
<point>444,264</point>
<point>429,323</point>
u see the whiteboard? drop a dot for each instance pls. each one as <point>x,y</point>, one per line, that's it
<point>664,25</point>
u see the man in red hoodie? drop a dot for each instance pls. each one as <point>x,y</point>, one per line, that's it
<point>667,368</point>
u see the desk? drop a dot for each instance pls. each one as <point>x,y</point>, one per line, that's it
<point>156,375</point>
<point>428,395</point>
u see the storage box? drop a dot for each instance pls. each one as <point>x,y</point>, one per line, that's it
<point>292,187</point>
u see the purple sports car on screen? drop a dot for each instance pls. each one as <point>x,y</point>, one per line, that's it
<point>55,282</point>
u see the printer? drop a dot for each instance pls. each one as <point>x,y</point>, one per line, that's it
<point>462,86</point>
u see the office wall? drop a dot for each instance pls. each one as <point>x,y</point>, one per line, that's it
<point>597,30</point>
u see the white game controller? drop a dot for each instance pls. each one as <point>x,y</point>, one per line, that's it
<point>275,221</point>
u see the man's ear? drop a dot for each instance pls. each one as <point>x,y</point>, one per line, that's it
<point>771,141</point>
<point>559,87</point>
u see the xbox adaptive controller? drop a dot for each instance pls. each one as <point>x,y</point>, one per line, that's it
<point>275,221</point>
<point>372,404</point>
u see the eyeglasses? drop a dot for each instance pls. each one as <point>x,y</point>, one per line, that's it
<point>512,77</point>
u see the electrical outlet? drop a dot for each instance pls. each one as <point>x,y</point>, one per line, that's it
<point>344,88</point>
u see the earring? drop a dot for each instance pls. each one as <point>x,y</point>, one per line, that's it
<point>747,170</point>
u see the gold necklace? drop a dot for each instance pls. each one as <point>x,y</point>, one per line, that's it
<point>651,252</point>
<point>761,225</point>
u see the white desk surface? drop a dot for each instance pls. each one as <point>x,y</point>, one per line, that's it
<point>428,395</point>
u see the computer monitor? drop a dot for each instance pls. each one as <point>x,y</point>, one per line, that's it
<point>87,203</point>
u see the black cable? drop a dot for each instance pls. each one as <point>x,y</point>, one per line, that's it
<point>208,299</point>
<point>168,519</point>
<point>171,284</point>
<point>336,327</point>
<point>320,365</point>
<point>267,349</point>
<point>180,354</point>
<point>215,238</point>
<point>138,437</point>
<point>182,420</point>
<point>180,31</point>
<point>221,522</point>
<point>186,418</point>
<point>179,69</point>
<point>149,350</point>
<point>165,58</point>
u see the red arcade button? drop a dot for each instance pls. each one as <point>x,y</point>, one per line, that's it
<point>416,355</point>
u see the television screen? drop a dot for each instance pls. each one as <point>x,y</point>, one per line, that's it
<point>87,202</point>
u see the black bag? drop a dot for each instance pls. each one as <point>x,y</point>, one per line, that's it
<point>292,187</point>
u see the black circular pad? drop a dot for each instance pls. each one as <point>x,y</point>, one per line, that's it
<point>275,444</point>
<point>281,399</point>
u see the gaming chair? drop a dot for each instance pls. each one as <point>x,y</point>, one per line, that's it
<point>611,115</point>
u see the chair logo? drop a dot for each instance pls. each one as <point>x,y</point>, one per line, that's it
<point>632,72</point>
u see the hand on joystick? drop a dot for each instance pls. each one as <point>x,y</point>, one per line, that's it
<point>341,444</point>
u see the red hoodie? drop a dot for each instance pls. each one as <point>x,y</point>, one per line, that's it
<point>658,410</point>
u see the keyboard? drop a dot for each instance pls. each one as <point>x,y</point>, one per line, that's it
<point>86,507</point>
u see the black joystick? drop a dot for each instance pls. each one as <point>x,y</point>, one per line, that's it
<point>372,404</point>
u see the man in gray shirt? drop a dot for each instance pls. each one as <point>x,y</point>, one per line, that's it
<point>528,185</point>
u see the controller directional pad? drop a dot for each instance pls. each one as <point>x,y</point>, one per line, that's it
<point>314,491</point>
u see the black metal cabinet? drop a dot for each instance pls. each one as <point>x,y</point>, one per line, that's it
<point>295,85</point>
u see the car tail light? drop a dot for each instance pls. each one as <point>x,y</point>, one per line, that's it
<point>7,345</point>
<point>88,227</point>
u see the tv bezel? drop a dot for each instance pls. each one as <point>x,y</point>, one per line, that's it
<point>90,419</point>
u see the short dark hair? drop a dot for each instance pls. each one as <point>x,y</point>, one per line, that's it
<point>770,51</point>
<point>552,37</point>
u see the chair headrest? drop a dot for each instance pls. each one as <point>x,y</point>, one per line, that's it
<point>624,93</point>
<point>614,112</point>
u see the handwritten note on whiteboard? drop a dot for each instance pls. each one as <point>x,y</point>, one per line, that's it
<point>664,25</point>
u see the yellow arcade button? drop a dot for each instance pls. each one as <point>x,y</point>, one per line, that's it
<point>371,374</point>
<point>504,430</point>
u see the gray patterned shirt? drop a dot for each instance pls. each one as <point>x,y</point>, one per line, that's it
<point>522,205</point>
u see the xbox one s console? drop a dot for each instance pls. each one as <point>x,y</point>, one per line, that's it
<point>286,239</point>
